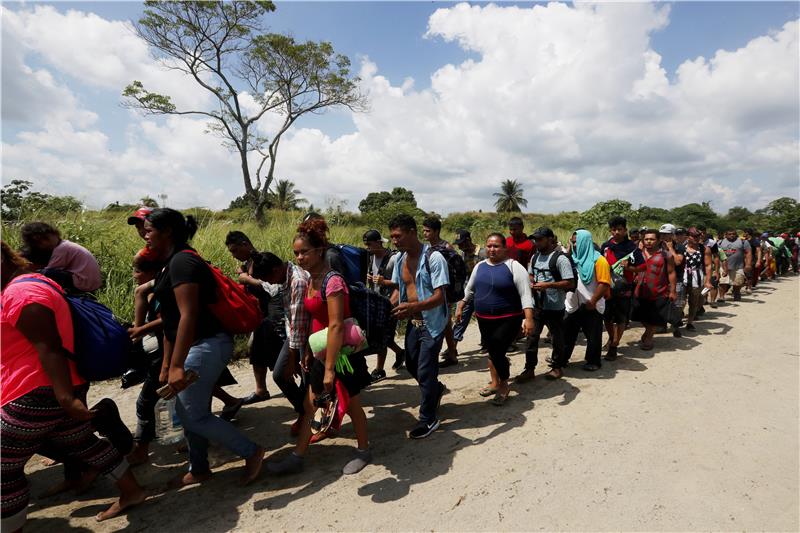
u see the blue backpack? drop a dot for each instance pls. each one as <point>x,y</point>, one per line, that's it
<point>354,262</point>
<point>102,345</point>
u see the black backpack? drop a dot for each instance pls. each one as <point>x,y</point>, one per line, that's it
<point>552,266</point>
<point>456,272</point>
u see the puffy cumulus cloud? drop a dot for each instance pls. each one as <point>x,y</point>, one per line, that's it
<point>571,100</point>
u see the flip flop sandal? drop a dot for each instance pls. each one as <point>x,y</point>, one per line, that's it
<point>255,398</point>
<point>229,412</point>
<point>487,391</point>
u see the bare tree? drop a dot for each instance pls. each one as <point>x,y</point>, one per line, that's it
<point>220,47</point>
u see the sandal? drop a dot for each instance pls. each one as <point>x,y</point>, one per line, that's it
<point>500,399</point>
<point>487,391</point>
<point>646,347</point>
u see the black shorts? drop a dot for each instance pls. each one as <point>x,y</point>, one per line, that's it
<point>354,383</point>
<point>618,310</point>
<point>267,344</point>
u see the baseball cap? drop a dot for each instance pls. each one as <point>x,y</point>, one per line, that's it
<point>784,235</point>
<point>681,231</point>
<point>543,231</point>
<point>139,215</point>
<point>374,235</point>
<point>667,228</point>
<point>461,236</point>
<point>765,235</point>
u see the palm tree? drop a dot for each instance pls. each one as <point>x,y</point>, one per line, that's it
<point>510,198</point>
<point>286,196</point>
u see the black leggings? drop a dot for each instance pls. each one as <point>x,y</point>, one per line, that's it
<point>497,334</point>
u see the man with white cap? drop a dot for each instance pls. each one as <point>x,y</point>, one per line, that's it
<point>678,251</point>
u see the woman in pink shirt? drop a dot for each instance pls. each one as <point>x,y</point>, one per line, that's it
<point>38,405</point>
<point>70,264</point>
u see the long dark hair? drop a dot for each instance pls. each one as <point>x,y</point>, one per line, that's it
<point>181,228</point>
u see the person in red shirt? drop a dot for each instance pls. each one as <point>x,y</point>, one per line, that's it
<point>518,245</point>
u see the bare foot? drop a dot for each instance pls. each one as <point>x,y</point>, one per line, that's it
<point>46,461</point>
<point>189,478</point>
<point>122,505</point>
<point>252,467</point>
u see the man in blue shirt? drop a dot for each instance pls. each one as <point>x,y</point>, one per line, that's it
<point>421,277</point>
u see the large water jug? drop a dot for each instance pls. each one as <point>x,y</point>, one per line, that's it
<point>169,429</point>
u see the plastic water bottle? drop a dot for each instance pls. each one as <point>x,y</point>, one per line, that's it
<point>169,429</point>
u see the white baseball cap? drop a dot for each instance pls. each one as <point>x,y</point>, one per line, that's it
<point>667,228</point>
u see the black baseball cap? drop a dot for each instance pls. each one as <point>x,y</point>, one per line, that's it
<point>461,236</point>
<point>543,231</point>
<point>373,235</point>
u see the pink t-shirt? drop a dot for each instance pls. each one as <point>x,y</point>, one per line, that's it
<point>20,368</point>
<point>79,262</point>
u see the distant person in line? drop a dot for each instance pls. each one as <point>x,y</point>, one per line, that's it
<point>666,234</point>
<point>69,264</point>
<point>431,233</point>
<point>379,278</point>
<point>696,274</point>
<point>420,298</point>
<point>519,246</point>
<point>739,261</point>
<point>500,288</point>
<point>585,305</point>
<point>549,294</point>
<point>623,255</point>
<point>655,289</point>
<point>472,254</point>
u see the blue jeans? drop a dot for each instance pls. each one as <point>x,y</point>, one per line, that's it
<point>422,362</point>
<point>461,326</point>
<point>208,357</point>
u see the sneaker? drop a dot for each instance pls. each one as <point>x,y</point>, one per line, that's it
<point>377,375</point>
<point>690,327</point>
<point>291,465</point>
<point>423,430</point>
<point>356,464</point>
<point>676,333</point>
<point>525,376</point>
<point>611,354</point>
<point>737,297</point>
<point>713,305</point>
<point>591,367</point>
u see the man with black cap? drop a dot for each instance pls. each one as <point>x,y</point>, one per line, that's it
<point>551,276</point>
<point>472,255</point>
<point>379,279</point>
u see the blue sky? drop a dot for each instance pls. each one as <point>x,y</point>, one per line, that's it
<point>392,36</point>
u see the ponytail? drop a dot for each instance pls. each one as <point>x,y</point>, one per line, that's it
<point>181,228</point>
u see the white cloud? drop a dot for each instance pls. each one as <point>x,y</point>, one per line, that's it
<point>571,100</point>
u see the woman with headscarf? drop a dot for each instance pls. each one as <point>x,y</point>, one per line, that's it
<point>585,305</point>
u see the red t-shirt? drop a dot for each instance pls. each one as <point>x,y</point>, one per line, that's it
<point>318,308</point>
<point>20,368</point>
<point>522,251</point>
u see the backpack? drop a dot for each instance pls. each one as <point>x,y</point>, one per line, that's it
<point>102,345</point>
<point>456,272</point>
<point>552,265</point>
<point>372,311</point>
<point>236,309</point>
<point>355,263</point>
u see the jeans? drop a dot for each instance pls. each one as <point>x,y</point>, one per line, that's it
<point>422,354</point>
<point>554,320</point>
<point>208,357</point>
<point>461,326</point>
<point>497,335</point>
<point>591,323</point>
<point>289,387</point>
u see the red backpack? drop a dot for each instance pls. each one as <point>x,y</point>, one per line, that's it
<point>237,311</point>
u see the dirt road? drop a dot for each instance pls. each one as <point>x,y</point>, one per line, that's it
<point>700,434</point>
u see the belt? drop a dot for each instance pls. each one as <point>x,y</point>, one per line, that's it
<point>417,323</point>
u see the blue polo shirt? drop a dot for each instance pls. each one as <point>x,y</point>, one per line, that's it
<point>427,282</point>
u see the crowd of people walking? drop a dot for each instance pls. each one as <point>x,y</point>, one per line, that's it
<point>314,337</point>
